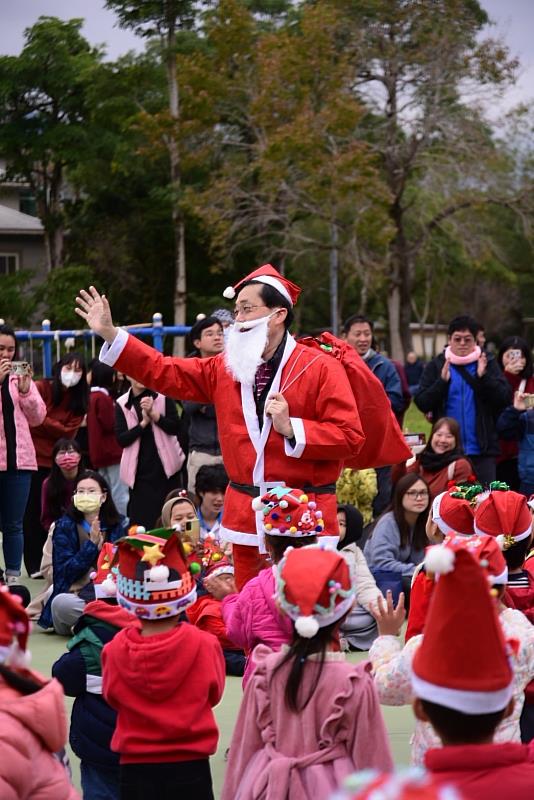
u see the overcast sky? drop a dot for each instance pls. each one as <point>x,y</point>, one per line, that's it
<point>514,18</point>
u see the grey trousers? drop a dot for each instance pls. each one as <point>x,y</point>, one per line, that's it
<point>66,611</point>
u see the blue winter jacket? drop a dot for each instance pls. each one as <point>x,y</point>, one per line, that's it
<point>389,378</point>
<point>461,406</point>
<point>70,561</point>
<point>514,425</point>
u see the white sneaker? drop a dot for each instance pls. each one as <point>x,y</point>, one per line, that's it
<point>12,580</point>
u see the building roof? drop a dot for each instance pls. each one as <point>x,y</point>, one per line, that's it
<point>15,223</point>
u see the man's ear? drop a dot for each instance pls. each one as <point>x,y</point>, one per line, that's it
<point>196,344</point>
<point>419,711</point>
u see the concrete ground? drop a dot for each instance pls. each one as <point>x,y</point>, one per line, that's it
<point>46,648</point>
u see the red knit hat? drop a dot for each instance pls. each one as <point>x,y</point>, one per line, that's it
<point>15,628</point>
<point>105,577</point>
<point>153,578</point>
<point>462,662</point>
<point>453,514</point>
<point>289,512</point>
<point>313,587</point>
<point>506,516</point>
<point>440,558</point>
<point>269,275</point>
<point>407,784</point>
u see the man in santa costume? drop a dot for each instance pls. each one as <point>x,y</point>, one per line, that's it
<point>286,413</point>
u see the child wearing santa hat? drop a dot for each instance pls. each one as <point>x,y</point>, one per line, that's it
<point>392,662</point>
<point>252,616</point>
<point>308,718</point>
<point>33,723</point>
<point>463,685</point>
<point>164,678</point>
<point>80,672</point>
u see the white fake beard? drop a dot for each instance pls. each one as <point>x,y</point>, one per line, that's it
<point>244,349</point>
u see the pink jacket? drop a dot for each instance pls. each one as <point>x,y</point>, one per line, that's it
<point>251,617</point>
<point>29,411</point>
<point>168,447</point>
<point>32,728</point>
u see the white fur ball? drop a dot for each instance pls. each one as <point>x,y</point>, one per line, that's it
<point>229,293</point>
<point>306,627</point>
<point>159,573</point>
<point>109,586</point>
<point>440,560</point>
<point>500,541</point>
<point>257,504</point>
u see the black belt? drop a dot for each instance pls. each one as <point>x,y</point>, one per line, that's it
<point>254,491</point>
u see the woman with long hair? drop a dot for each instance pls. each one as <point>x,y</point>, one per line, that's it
<point>58,488</point>
<point>89,522</point>
<point>65,397</point>
<point>443,460</point>
<point>515,360</point>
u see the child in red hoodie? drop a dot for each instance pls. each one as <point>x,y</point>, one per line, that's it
<point>164,679</point>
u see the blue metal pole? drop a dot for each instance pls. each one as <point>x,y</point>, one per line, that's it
<point>47,350</point>
<point>157,332</point>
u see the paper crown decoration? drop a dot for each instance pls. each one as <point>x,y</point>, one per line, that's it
<point>440,559</point>
<point>15,629</point>
<point>453,514</point>
<point>408,784</point>
<point>314,587</point>
<point>105,577</point>
<point>269,275</point>
<point>153,579</point>
<point>463,661</point>
<point>289,512</point>
<point>505,516</point>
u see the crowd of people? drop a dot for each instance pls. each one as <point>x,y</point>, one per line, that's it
<point>220,515</point>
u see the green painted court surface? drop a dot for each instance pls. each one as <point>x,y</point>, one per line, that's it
<point>46,648</point>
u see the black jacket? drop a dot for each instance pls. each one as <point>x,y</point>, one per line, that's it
<point>492,394</point>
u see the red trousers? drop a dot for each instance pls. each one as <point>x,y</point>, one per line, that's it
<point>247,563</point>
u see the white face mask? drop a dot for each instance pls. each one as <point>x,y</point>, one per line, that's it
<point>70,378</point>
<point>244,348</point>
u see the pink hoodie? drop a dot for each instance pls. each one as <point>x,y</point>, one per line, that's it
<point>251,617</point>
<point>29,411</point>
<point>32,728</point>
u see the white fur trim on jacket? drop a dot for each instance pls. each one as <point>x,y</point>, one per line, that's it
<point>109,353</point>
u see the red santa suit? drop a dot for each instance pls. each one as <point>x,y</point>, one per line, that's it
<point>324,417</point>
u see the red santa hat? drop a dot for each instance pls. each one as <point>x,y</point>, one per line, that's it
<point>453,514</point>
<point>218,565</point>
<point>314,587</point>
<point>405,784</point>
<point>15,628</point>
<point>105,577</point>
<point>269,275</point>
<point>506,516</point>
<point>440,558</point>
<point>463,663</point>
<point>289,512</point>
<point>153,579</point>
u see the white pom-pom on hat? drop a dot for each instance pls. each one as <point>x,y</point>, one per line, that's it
<point>440,560</point>
<point>501,541</point>
<point>229,293</point>
<point>306,627</point>
<point>257,504</point>
<point>109,586</point>
<point>159,573</point>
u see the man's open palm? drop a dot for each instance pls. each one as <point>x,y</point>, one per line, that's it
<point>94,309</point>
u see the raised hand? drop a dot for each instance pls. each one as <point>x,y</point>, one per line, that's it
<point>94,309</point>
<point>389,619</point>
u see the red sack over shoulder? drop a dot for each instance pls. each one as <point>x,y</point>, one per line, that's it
<point>384,443</point>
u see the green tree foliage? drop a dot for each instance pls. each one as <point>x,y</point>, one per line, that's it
<point>57,291</point>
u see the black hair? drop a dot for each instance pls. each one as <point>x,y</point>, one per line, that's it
<point>199,326</point>
<point>102,375</point>
<point>7,330</point>
<point>459,728</point>
<point>354,521</point>
<point>297,655</point>
<point>463,323</point>
<point>516,554</point>
<point>79,394</point>
<point>23,682</point>
<point>419,538</point>
<point>279,544</point>
<point>347,325</point>
<point>272,299</point>
<point>210,478</point>
<point>109,516</point>
<point>517,343</point>
<point>56,480</point>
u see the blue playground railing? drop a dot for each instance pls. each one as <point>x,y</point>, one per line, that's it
<point>49,338</point>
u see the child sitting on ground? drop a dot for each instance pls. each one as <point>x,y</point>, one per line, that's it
<point>392,663</point>
<point>308,718</point>
<point>80,672</point>
<point>163,679</point>
<point>33,723</point>
<point>252,617</point>
<point>463,686</point>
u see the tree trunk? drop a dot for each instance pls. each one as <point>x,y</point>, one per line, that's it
<point>334,282</point>
<point>180,278</point>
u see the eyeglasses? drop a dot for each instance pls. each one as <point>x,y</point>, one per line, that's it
<point>246,310</point>
<point>462,339</point>
<point>417,495</point>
